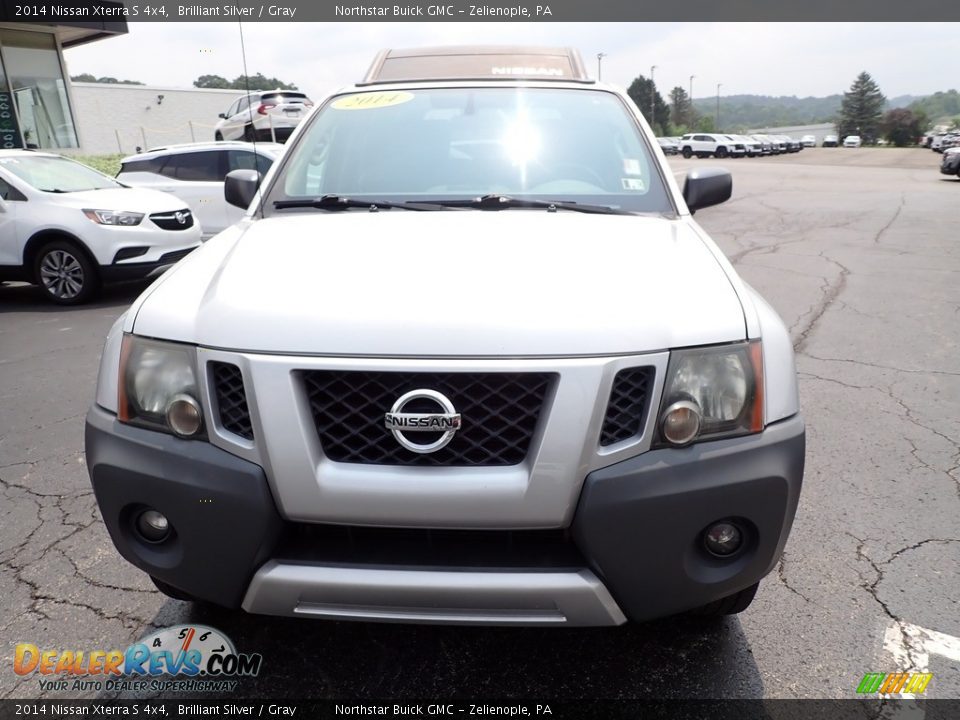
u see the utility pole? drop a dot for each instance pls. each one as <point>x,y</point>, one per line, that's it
<point>691,118</point>
<point>600,56</point>
<point>653,105</point>
<point>718,107</point>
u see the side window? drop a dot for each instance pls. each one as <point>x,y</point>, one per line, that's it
<point>8,192</point>
<point>244,103</point>
<point>196,166</point>
<point>702,138</point>
<point>233,109</point>
<point>244,160</point>
<point>686,137</point>
<point>154,165</point>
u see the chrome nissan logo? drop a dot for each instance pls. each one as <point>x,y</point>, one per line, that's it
<point>181,218</point>
<point>447,421</point>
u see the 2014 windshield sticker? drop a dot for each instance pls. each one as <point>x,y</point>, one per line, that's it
<point>178,658</point>
<point>370,101</point>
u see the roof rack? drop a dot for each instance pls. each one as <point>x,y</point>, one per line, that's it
<point>477,62</point>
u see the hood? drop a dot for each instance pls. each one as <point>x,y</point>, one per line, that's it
<point>139,200</point>
<point>455,283</point>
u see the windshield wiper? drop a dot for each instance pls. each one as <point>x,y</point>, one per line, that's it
<point>505,202</point>
<point>337,202</point>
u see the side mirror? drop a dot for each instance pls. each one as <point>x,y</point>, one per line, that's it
<point>707,186</point>
<point>222,116</point>
<point>240,187</point>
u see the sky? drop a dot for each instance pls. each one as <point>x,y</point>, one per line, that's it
<point>799,59</point>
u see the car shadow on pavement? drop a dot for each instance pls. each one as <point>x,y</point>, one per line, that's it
<point>679,657</point>
<point>19,297</point>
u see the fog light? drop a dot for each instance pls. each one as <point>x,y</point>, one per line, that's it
<point>153,526</point>
<point>723,538</point>
<point>184,416</point>
<point>681,422</point>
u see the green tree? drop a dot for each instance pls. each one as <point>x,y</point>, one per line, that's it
<point>640,91</point>
<point>87,77</point>
<point>681,109</point>
<point>242,82</point>
<point>706,124</point>
<point>259,82</point>
<point>901,127</point>
<point>212,81</point>
<point>861,110</point>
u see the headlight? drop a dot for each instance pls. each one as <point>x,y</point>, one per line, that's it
<point>711,392</point>
<point>158,386</point>
<point>114,217</point>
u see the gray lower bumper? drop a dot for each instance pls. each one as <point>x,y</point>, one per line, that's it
<point>432,596</point>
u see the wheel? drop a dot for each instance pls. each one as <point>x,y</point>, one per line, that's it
<point>218,136</point>
<point>687,153</point>
<point>171,591</point>
<point>729,605</point>
<point>65,273</point>
<point>721,152</point>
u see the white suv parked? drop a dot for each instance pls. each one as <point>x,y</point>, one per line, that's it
<point>706,144</point>
<point>195,172</point>
<point>269,116</point>
<point>467,359</point>
<point>67,228</point>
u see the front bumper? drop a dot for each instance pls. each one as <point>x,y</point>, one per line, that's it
<point>637,531</point>
<point>950,164</point>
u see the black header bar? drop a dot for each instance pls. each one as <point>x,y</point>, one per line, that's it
<point>98,11</point>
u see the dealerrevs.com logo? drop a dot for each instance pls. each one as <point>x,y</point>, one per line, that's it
<point>182,657</point>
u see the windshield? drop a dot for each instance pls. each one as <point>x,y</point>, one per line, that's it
<point>550,144</point>
<point>56,174</point>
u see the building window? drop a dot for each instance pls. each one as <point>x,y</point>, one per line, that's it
<point>34,76</point>
<point>9,132</point>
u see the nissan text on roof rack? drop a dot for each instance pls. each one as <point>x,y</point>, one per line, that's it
<point>468,358</point>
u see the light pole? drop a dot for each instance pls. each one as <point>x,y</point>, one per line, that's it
<point>652,96</point>
<point>691,101</point>
<point>718,107</point>
<point>600,56</point>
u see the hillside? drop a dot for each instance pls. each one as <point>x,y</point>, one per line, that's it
<point>770,111</point>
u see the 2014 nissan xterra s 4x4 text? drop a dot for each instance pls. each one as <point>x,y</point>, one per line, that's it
<point>468,358</point>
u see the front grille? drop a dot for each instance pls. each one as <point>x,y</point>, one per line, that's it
<point>420,547</point>
<point>231,399</point>
<point>627,408</point>
<point>499,414</point>
<point>172,220</point>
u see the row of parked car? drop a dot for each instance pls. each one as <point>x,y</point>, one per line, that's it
<point>723,145</point>
<point>940,142</point>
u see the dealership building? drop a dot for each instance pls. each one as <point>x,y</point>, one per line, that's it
<point>37,107</point>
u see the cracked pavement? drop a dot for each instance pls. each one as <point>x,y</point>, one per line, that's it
<point>857,252</point>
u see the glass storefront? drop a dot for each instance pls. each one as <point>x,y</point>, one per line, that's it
<point>34,89</point>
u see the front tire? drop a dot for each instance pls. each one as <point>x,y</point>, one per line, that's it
<point>65,273</point>
<point>687,153</point>
<point>218,136</point>
<point>729,605</point>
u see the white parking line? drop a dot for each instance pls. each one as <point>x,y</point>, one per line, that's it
<point>912,646</point>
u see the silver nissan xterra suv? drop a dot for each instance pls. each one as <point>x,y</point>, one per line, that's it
<point>468,358</point>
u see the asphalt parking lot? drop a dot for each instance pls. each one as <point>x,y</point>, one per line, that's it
<point>859,252</point>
